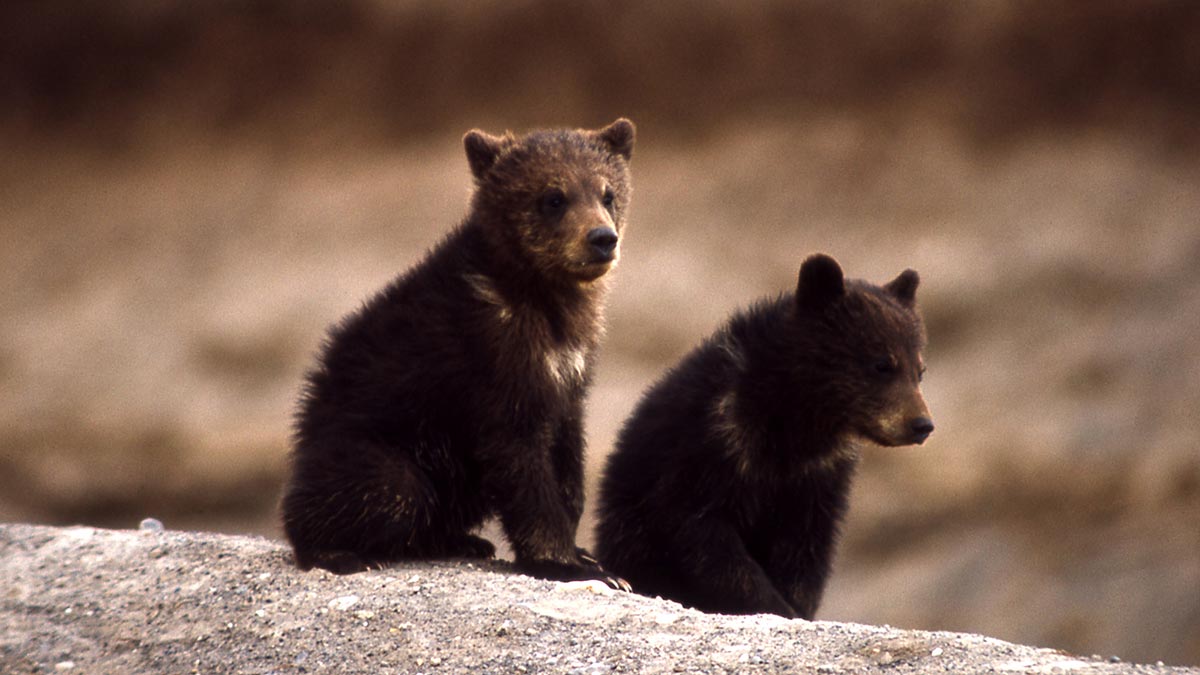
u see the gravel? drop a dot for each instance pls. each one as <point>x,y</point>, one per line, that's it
<point>88,600</point>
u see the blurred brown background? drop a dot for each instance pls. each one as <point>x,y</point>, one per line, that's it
<point>191,192</point>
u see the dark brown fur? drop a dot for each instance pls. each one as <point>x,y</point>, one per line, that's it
<point>456,393</point>
<point>731,477</point>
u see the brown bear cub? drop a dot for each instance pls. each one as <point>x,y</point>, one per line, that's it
<point>729,481</point>
<point>456,393</point>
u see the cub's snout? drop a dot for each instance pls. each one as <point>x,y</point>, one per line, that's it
<point>603,244</point>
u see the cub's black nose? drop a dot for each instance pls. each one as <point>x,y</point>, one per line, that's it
<point>921,428</point>
<point>603,241</point>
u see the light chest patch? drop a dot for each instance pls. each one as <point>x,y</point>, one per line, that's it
<point>566,366</point>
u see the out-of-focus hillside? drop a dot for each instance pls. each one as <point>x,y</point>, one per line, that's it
<point>313,73</point>
<point>190,193</point>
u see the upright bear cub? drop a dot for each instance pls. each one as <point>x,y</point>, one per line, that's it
<point>729,481</point>
<point>456,393</point>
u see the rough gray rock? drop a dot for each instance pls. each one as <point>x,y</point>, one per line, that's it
<point>102,601</point>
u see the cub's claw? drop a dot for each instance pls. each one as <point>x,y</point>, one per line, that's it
<point>619,584</point>
<point>586,557</point>
<point>584,568</point>
<point>614,582</point>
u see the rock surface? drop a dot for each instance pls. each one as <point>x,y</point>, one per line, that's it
<point>109,601</point>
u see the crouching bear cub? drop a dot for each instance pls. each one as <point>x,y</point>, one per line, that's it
<point>456,393</point>
<point>728,482</point>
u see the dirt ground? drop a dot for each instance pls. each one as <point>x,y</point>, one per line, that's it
<point>183,215</point>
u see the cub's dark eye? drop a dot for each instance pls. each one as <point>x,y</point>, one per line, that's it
<point>885,366</point>
<point>608,199</point>
<point>552,202</point>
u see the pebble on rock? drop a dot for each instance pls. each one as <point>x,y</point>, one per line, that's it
<point>151,525</point>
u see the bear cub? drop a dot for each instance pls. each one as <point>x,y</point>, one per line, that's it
<point>456,393</point>
<point>728,482</point>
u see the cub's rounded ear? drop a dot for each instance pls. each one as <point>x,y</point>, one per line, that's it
<point>618,137</point>
<point>904,287</point>
<point>821,282</point>
<point>482,150</point>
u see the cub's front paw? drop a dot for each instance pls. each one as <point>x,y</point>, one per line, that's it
<point>578,571</point>
<point>592,563</point>
<point>471,546</point>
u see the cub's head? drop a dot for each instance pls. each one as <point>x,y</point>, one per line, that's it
<point>864,343</point>
<point>554,200</point>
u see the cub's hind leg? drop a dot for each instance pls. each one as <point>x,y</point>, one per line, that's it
<point>352,507</point>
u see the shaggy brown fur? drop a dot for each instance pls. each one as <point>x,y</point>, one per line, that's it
<point>729,480</point>
<point>457,392</point>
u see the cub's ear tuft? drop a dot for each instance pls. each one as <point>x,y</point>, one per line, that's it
<point>821,282</point>
<point>482,150</point>
<point>618,137</point>
<point>904,287</point>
